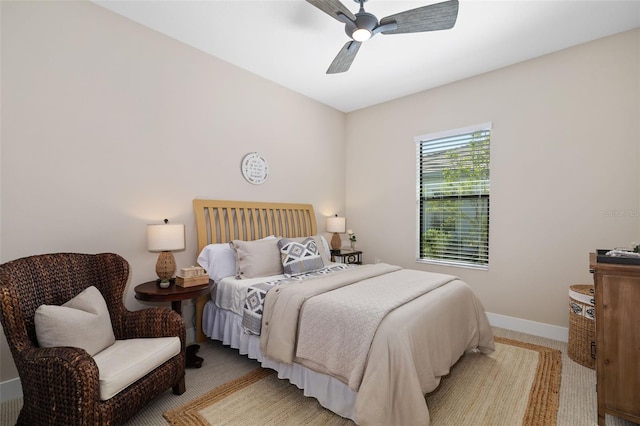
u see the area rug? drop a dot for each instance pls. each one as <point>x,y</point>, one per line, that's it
<point>518,384</point>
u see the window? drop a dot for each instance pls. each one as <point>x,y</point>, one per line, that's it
<point>453,196</point>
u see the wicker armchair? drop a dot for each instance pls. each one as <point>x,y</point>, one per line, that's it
<point>60,384</point>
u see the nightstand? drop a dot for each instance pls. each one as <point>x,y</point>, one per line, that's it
<point>347,256</point>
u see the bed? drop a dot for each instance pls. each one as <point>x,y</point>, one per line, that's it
<point>368,342</point>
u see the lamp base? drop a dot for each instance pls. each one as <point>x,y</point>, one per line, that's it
<point>336,241</point>
<point>166,265</point>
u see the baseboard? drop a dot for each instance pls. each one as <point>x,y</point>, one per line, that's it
<point>11,389</point>
<point>530,327</point>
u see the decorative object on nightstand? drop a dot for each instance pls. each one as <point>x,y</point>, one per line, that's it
<point>337,225</point>
<point>352,239</point>
<point>353,257</point>
<point>192,276</point>
<point>165,238</point>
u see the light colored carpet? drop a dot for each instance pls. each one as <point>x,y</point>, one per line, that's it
<point>516,385</point>
<point>223,364</point>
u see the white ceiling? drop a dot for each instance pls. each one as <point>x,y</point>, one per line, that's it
<point>292,43</point>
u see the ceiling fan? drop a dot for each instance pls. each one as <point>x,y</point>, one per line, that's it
<point>363,25</point>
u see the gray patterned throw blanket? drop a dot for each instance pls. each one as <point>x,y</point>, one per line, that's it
<point>254,303</point>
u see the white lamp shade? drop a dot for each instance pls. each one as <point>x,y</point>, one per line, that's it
<point>336,224</point>
<point>165,237</point>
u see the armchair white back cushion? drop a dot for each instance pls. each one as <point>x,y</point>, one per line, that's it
<point>82,322</point>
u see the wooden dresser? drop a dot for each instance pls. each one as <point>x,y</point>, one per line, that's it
<point>617,294</point>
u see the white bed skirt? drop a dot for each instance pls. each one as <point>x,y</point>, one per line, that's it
<point>225,326</point>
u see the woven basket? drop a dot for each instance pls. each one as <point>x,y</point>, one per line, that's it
<point>582,325</point>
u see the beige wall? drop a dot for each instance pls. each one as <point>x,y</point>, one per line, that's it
<point>565,151</point>
<point>108,126</point>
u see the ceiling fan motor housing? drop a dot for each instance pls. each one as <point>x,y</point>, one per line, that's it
<point>364,20</point>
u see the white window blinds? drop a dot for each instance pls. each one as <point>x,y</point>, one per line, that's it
<point>453,196</point>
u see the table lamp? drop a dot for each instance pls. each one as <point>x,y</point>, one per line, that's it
<point>336,225</point>
<point>164,238</point>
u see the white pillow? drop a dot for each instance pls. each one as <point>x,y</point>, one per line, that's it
<point>219,260</point>
<point>82,322</point>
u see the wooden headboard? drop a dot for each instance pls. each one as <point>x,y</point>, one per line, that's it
<point>220,221</point>
<point>223,221</point>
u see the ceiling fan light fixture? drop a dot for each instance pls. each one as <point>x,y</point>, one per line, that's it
<point>361,26</point>
<point>361,34</point>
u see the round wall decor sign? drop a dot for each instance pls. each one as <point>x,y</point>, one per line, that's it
<point>255,168</point>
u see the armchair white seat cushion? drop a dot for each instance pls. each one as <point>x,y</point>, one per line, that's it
<point>126,361</point>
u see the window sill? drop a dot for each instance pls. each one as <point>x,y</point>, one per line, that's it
<point>453,264</point>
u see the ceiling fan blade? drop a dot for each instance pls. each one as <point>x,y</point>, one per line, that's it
<point>434,17</point>
<point>333,8</point>
<point>344,58</point>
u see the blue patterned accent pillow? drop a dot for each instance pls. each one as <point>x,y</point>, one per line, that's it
<point>299,257</point>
